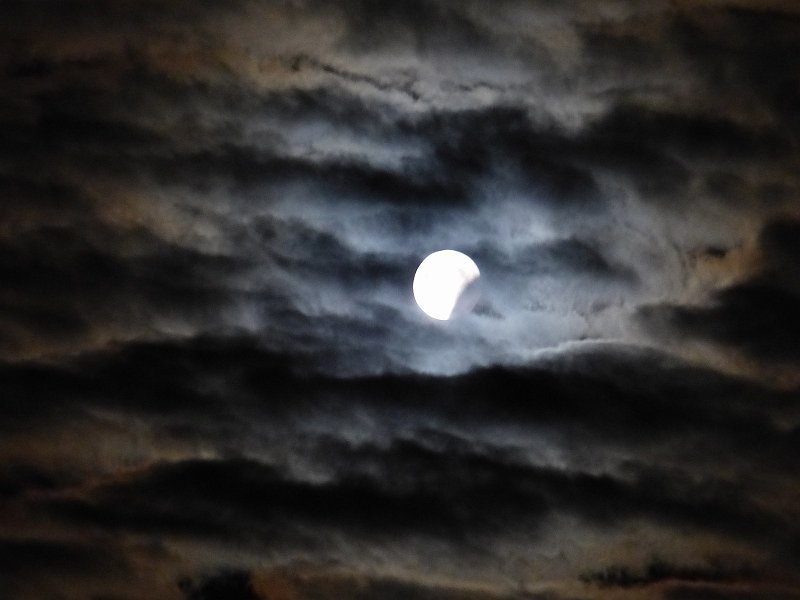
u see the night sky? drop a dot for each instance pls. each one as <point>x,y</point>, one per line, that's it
<point>215,383</point>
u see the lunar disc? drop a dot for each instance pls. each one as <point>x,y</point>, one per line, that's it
<point>440,281</point>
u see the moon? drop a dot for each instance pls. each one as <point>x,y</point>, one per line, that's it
<point>441,280</point>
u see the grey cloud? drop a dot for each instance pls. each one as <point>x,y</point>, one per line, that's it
<point>559,258</point>
<point>210,218</point>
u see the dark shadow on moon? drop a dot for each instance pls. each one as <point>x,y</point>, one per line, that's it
<point>467,299</point>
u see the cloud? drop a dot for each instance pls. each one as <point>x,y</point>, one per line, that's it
<point>26,554</point>
<point>236,156</point>
<point>711,593</point>
<point>409,489</point>
<point>658,571</point>
<point>232,585</point>
<point>62,288</point>
<point>210,354</point>
<point>25,560</point>
<point>472,461</point>
<point>302,582</point>
<point>757,316</point>
<point>17,479</point>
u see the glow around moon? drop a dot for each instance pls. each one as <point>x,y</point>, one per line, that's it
<point>440,281</point>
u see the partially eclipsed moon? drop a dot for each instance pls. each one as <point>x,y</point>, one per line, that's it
<point>441,280</point>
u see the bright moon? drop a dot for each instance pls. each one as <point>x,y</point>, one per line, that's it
<point>441,279</point>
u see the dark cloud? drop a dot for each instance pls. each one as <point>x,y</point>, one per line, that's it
<point>410,479</point>
<point>408,489</point>
<point>24,198</point>
<point>24,558</point>
<point>378,23</point>
<point>232,585</point>
<point>711,593</point>
<point>727,51</point>
<point>243,585</point>
<point>16,479</point>
<point>166,377</point>
<point>680,137</point>
<point>210,219</point>
<point>263,502</point>
<point>758,316</point>
<point>780,242</point>
<point>658,571</point>
<point>61,285</point>
<point>541,161</point>
<point>105,13</point>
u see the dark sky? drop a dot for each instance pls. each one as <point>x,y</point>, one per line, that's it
<point>215,383</point>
